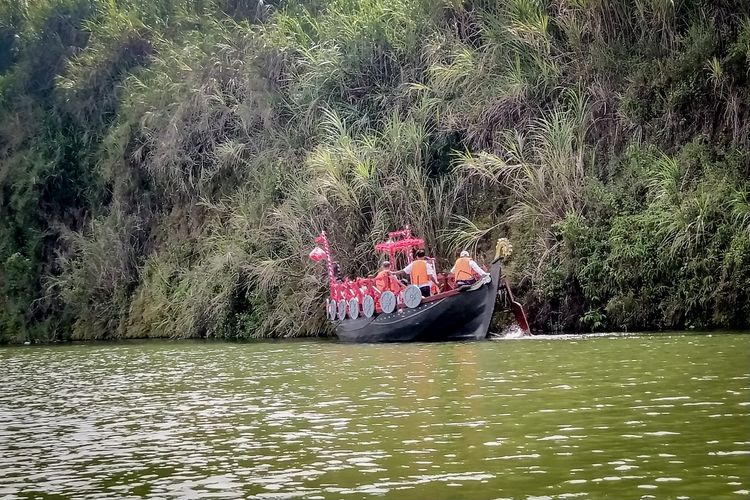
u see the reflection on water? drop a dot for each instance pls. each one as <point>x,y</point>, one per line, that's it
<point>630,417</point>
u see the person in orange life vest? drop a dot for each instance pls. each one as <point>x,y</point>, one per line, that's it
<point>421,273</point>
<point>384,281</point>
<point>465,270</point>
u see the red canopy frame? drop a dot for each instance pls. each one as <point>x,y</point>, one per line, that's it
<point>400,242</point>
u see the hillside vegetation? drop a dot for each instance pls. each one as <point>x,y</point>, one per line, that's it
<point>166,164</point>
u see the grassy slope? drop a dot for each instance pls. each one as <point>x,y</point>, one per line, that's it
<point>165,165</point>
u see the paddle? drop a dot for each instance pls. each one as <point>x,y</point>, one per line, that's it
<point>517,308</point>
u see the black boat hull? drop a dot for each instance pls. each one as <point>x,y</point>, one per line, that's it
<point>464,316</point>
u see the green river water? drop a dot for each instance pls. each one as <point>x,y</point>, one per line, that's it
<point>637,416</point>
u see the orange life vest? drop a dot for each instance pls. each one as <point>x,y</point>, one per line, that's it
<point>462,270</point>
<point>383,281</point>
<point>419,274</point>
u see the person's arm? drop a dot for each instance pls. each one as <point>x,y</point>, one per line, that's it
<point>405,270</point>
<point>475,267</point>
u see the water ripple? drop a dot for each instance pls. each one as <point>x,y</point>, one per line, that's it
<point>542,419</point>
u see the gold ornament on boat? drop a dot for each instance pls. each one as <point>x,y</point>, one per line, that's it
<point>503,249</point>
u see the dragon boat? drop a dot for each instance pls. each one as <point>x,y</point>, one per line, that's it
<point>360,312</point>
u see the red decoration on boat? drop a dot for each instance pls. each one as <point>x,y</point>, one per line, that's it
<point>400,242</point>
<point>404,245</point>
<point>317,254</point>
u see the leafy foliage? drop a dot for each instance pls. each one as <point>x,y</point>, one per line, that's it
<point>165,165</point>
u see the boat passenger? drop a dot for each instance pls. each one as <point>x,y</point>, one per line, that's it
<point>421,273</point>
<point>384,279</point>
<point>465,270</point>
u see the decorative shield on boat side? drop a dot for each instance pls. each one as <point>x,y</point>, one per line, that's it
<point>412,296</point>
<point>331,309</point>
<point>368,306</point>
<point>342,309</point>
<point>353,308</point>
<point>388,301</point>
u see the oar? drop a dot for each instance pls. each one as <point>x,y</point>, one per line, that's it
<point>517,309</point>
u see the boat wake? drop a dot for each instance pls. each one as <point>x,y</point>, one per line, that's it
<point>511,332</point>
<point>516,332</point>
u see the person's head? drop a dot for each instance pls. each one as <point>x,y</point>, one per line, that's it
<point>465,253</point>
<point>386,265</point>
<point>420,253</point>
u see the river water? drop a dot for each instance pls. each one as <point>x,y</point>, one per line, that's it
<point>640,416</point>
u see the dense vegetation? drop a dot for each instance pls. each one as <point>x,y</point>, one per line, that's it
<point>166,164</point>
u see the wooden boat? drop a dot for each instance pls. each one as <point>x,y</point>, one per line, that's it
<point>362,313</point>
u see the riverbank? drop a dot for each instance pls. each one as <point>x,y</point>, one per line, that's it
<point>509,334</point>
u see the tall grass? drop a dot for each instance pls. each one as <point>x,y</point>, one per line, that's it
<point>165,166</point>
